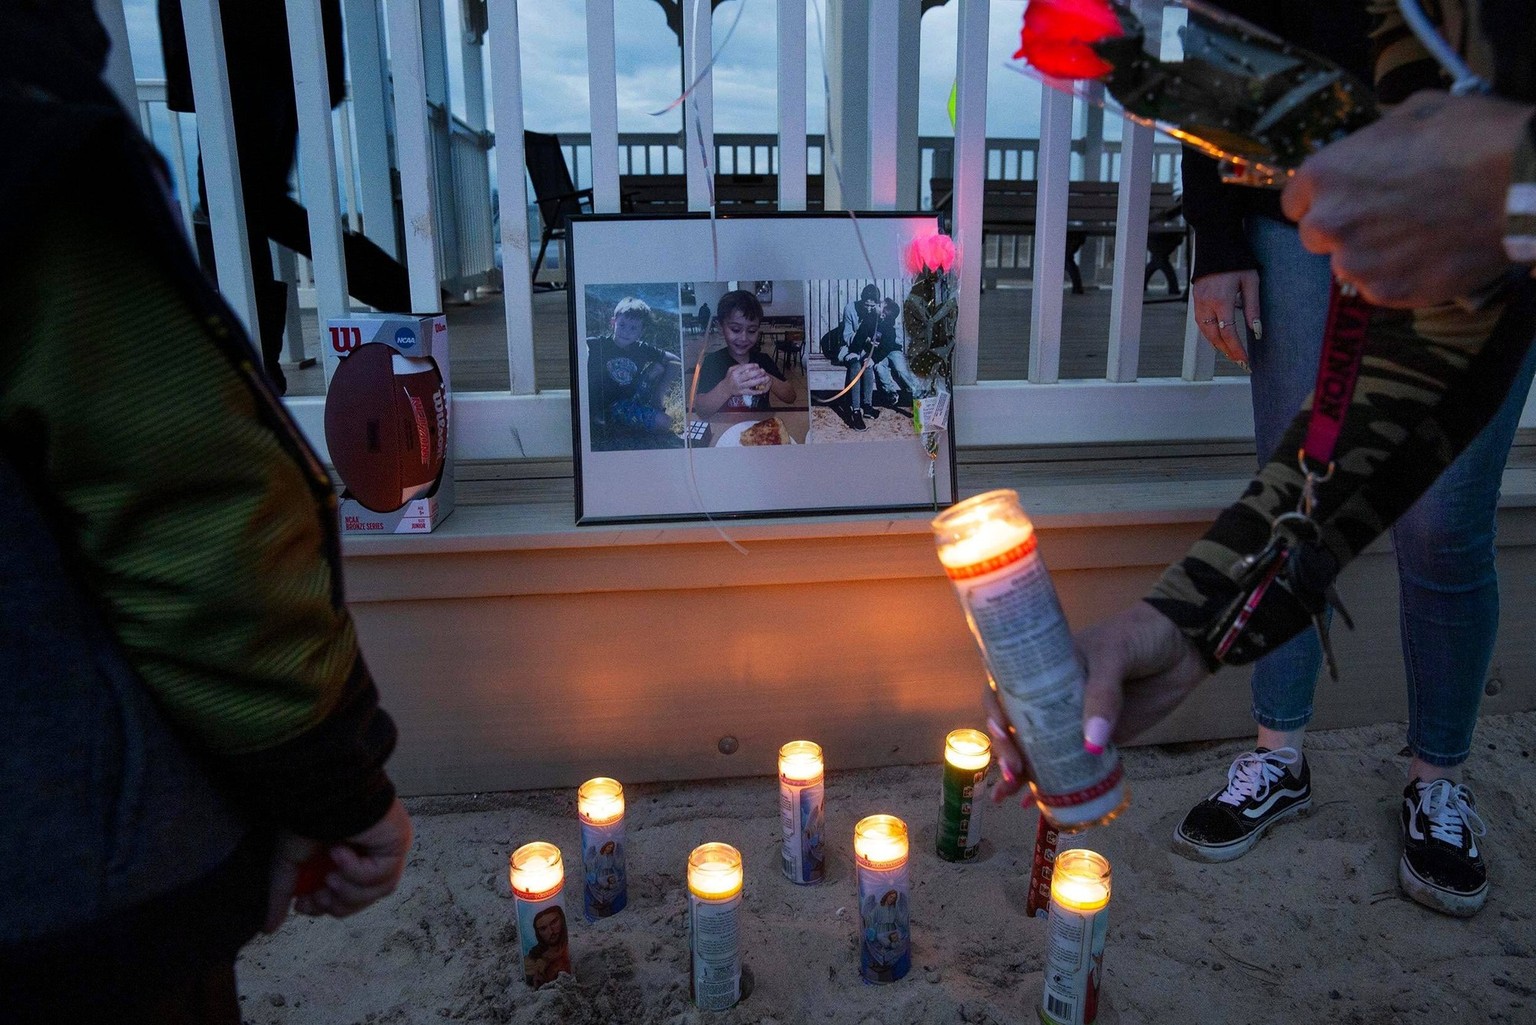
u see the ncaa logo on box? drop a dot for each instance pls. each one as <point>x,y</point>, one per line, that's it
<point>405,339</point>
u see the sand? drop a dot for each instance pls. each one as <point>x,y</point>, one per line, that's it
<point>1309,927</point>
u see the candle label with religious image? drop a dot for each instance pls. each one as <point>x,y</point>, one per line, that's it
<point>802,806</point>
<point>989,550</point>
<point>1075,933</point>
<point>600,806</point>
<point>714,926</point>
<point>602,852</point>
<point>967,755</point>
<point>538,879</point>
<point>885,886</point>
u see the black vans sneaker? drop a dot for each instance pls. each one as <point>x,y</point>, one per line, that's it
<point>1441,866</point>
<point>1261,790</point>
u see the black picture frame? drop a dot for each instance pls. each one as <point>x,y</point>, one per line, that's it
<point>650,445</point>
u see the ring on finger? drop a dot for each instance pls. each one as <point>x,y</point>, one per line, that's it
<point>1221,325</point>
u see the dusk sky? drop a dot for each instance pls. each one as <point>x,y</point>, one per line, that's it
<point>553,50</point>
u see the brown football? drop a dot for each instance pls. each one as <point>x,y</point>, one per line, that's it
<point>386,425</point>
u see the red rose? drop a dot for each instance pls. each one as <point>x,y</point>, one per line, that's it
<point>1057,33</point>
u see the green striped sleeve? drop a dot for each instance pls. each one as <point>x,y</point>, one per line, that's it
<point>176,484</point>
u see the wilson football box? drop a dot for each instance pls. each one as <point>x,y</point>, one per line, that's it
<point>388,409</point>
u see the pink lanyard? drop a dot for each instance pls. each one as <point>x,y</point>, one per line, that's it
<point>1338,370</point>
<point>1349,317</point>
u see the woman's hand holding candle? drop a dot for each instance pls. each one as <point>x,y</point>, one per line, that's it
<point>1139,668</point>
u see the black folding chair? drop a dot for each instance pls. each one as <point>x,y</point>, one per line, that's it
<point>555,194</point>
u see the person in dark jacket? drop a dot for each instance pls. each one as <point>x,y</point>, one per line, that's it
<point>260,64</point>
<point>189,717</point>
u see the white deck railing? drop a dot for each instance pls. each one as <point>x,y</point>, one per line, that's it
<point>447,226</point>
<point>756,153</point>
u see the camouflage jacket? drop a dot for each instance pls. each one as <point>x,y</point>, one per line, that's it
<point>1430,379</point>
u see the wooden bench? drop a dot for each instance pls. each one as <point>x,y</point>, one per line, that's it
<point>734,193</point>
<point>1008,208</point>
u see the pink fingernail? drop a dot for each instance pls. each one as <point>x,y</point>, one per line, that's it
<point>1095,735</point>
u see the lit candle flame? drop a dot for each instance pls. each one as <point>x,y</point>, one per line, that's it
<point>715,871</point>
<point>536,869</point>
<point>990,539</point>
<point>881,840</point>
<point>968,749</point>
<point>1080,880</point>
<point>600,801</point>
<point>800,761</point>
<point>980,529</point>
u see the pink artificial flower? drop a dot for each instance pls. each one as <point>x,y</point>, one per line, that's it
<point>939,253</point>
<point>1057,37</point>
<point>913,256</point>
<point>931,252</point>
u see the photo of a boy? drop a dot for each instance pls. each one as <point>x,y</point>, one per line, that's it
<point>628,378</point>
<point>740,376</point>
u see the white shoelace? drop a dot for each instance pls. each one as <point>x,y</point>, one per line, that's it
<point>1252,773</point>
<point>1449,809</point>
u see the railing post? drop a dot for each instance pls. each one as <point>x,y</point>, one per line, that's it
<point>699,109</point>
<point>969,178</point>
<point>512,192</point>
<point>1049,262</point>
<point>472,178</point>
<point>792,167</point>
<point>909,168</point>
<point>370,119</point>
<point>221,167</point>
<point>435,62</point>
<point>882,124</point>
<point>603,89</point>
<point>1136,155</point>
<point>418,172</point>
<point>1130,252</point>
<point>317,158</point>
<point>846,50</point>
<point>471,53</point>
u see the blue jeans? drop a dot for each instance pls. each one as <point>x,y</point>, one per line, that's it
<point>1447,586</point>
<point>894,374</point>
<point>862,394</point>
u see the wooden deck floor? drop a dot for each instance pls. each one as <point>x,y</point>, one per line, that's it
<point>477,336</point>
